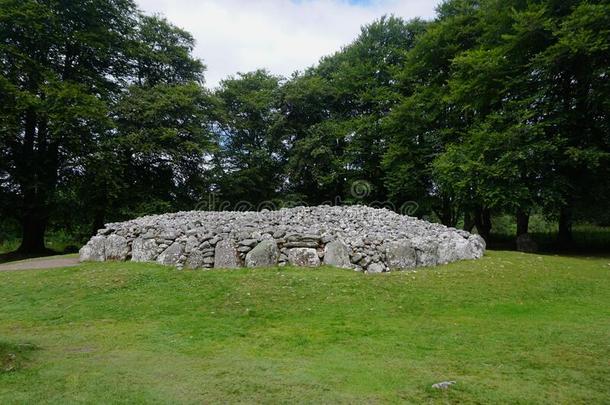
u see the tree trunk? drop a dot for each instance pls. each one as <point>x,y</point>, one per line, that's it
<point>487,221</point>
<point>523,221</point>
<point>468,221</point>
<point>33,220</point>
<point>37,176</point>
<point>482,220</point>
<point>33,228</point>
<point>446,213</point>
<point>446,217</point>
<point>98,221</point>
<point>565,227</point>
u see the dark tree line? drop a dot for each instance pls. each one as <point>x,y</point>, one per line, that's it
<point>496,106</point>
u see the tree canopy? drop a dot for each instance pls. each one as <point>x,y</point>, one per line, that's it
<point>495,106</point>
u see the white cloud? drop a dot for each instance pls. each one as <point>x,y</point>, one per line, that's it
<point>280,35</point>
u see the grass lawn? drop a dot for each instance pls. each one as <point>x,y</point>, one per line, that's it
<point>509,328</point>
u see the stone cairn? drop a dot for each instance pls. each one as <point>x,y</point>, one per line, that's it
<point>355,237</point>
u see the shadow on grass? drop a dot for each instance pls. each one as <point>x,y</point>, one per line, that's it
<point>14,357</point>
<point>16,255</point>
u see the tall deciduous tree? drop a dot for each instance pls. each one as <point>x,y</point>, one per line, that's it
<point>161,137</point>
<point>426,120</point>
<point>334,112</point>
<point>79,82</point>
<point>59,63</point>
<point>574,94</point>
<point>250,157</point>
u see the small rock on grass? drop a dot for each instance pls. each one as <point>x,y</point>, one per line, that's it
<point>443,385</point>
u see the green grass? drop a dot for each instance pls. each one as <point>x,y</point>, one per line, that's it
<point>13,356</point>
<point>510,328</point>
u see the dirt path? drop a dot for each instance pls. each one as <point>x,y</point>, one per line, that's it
<point>41,263</point>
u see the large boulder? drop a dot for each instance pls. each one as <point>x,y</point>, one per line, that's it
<point>401,255</point>
<point>265,254</point>
<point>374,268</point>
<point>143,250</point>
<point>171,255</point>
<point>452,249</point>
<point>427,251</point>
<point>336,253</point>
<point>226,255</point>
<point>94,250</point>
<point>478,246</point>
<point>303,257</point>
<point>116,248</point>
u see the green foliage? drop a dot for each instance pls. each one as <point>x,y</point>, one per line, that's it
<point>88,83</point>
<point>504,110</point>
<point>163,54</point>
<point>334,111</point>
<point>496,107</point>
<point>251,155</point>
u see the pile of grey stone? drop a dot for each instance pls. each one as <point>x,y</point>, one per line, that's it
<point>355,237</point>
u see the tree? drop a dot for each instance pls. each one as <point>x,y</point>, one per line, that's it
<point>574,91</point>
<point>68,73</point>
<point>425,121</point>
<point>315,139</point>
<point>334,112</point>
<point>161,139</point>
<point>250,159</point>
<point>496,106</point>
<point>58,64</point>
<point>506,154</point>
<point>504,110</point>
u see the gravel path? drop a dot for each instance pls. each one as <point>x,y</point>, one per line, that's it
<point>41,263</point>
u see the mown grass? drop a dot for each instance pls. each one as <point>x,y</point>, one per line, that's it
<point>510,328</point>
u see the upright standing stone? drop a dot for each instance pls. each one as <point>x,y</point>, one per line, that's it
<point>115,248</point>
<point>171,255</point>
<point>401,255</point>
<point>195,260</point>
<point>265,254</point>
<point>93,251</point>
<point>225,255</point>
<point>478,246</point>
<point>336,253</point>
<point>143,250</point>
<point>374,268</point>
<point>427,251</point>
<point>454,248</point>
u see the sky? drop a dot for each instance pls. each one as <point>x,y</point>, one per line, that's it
<point>280,35</point>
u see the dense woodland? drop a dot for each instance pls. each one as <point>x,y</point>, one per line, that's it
<point>495,107</point>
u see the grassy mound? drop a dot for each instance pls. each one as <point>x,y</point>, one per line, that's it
<point>508,328</point>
